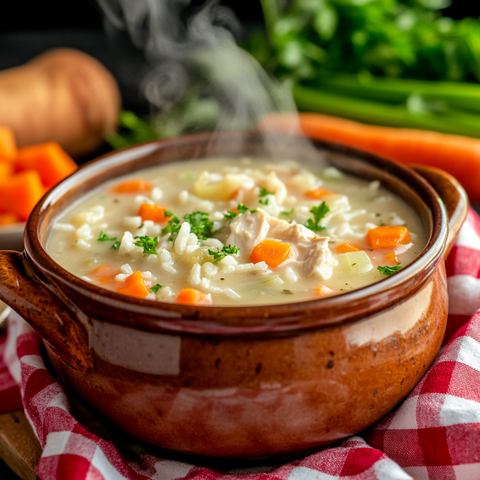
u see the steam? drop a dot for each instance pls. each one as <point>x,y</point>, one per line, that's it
<point>198,57</point>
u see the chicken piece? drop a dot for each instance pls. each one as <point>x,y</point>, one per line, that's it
<point>312,255</point>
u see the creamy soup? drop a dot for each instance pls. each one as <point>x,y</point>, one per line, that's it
<point>236,232</point>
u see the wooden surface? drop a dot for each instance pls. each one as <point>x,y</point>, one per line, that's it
<point>19,448</point>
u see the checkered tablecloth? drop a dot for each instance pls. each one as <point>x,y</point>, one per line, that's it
<point>433,434</point>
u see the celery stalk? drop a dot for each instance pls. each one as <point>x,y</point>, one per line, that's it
<point>381,113</point>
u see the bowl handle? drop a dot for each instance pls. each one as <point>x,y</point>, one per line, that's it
<point>453,195</point>
<point>45,312</point>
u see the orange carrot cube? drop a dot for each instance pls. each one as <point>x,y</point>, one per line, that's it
<point>387,237</point>
<point>319,193</point>
<point>134,286</point>
<point>20,193</point>
<point>392,258</point>
<point>347,247</point>
<point>272,252</point>
<point>191,296</point>
<point>8,146</point>
<point>48,159</point>
<point>132,186</point>
<point>155,213</point>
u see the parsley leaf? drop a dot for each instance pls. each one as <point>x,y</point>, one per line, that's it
<point>287,212</point>
<point>156,288</point>
<point>201,225</point>
<point>148,244</point>
<point>230,215</point>
<point>318,213</point>
<point>102,237</point>
<point>172,227</point>
<point>116,245</point>
<point>264,202</point>
<point>389,270</point>
<point>264,192</point>
<point>221,254</point>
<point>242,208</point>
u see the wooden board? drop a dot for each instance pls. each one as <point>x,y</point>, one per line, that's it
<point>19,447</point>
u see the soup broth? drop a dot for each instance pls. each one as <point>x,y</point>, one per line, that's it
<point>236,232</point>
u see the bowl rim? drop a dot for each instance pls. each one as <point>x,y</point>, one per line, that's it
<point>284,318</point>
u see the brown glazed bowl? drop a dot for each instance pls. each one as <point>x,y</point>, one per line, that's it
<point>240,382</point>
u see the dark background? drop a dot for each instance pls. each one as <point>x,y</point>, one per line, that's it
<point>28,28</point>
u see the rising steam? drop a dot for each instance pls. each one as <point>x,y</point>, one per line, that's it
<point>198,57</point>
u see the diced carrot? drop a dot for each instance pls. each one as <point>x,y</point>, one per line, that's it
<point>8,147</point>
<point>104,274</point>
<point>191,296</point>
<point>132,186</point>
<point>387,237</point>
<point>347,247</point>
<point>155,213</point>
<point>272,252</point>
<point>392,258</point>
<point>322,291</point>
<point>6,169</point>
<point>134,286</point>
<point>319,193</point>
<point>20,193</point>
<point>8,219</point>
<point>48,159</point>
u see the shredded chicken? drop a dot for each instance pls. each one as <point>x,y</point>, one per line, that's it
<point>312,255</point>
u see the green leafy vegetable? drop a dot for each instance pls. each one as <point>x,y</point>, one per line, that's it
<point>172,227</point>
<point>242,208</point>
<point>264,193</point>
<point>148,244</point>
<point>156,288</point>
<point>318,213</point>
<point>389,270</point>
<point>287,212</point>
<point>103,237</point>
<point>221,254</point>
<point>116,245</point>
<point>200,225</point>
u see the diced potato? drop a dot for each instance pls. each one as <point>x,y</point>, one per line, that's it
<point>332,173</point>
<point>220,190</point>
<point>355,263</point>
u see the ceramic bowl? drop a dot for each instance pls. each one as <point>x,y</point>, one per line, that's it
<point>240,382</point>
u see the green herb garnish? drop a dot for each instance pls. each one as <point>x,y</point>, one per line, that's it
<point>287,212</point>
<point>116,245</point>
<point>148,244</point>
<point>264,193</point>
<point>318,213</point>
<point>221,254</point>
<point>389,270</point>
<point>172,227</point>
<point>103,237</point>
<point>242,208</point>
<point>201,225</point>
<point>156,288</point>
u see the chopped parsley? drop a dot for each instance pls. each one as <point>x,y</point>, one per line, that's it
<point>389,270</point>
<point>148,244</point>
<point>242,208</point>
<point>264,193</point>
<point>221,254</point>
<point>200,225</point>
<point>172,227</point>
<point>116,245</point>
<point>287,212</point>
<point>318,213</point>
<point>103,237</point>
<point>230,215</point>
<point>156,288</point>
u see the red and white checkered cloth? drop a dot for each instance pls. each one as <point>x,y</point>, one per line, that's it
<point>433,434</point>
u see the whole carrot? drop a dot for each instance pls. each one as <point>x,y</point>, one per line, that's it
<point>456,154</point>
